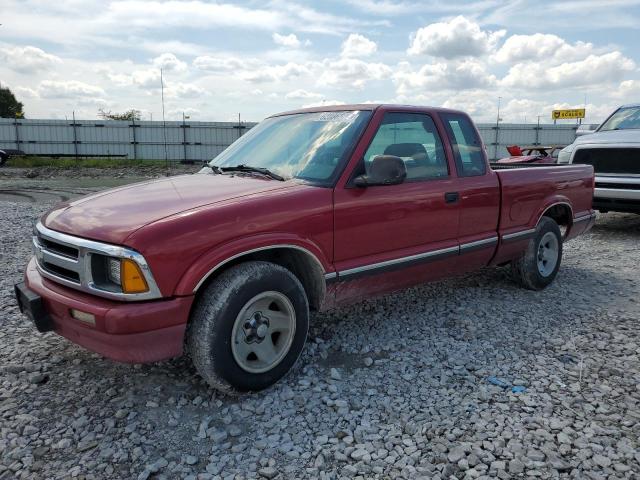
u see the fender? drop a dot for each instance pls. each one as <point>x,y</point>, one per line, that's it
<point>221,254</point>
<point>548,203</point>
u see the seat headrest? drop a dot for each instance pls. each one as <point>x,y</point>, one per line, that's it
<point>404,149</point>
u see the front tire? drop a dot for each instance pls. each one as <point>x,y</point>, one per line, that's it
<point>539,264</point>
<point>248,327</point>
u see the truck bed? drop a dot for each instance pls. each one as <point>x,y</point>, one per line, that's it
<point>528,190</point>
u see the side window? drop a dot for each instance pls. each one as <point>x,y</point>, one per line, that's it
<point>414,138</point>
<point>467,147</point>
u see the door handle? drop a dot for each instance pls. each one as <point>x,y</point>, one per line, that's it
<point>451,197</point>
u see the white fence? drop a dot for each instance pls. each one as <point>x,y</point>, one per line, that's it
<point>198,141</point>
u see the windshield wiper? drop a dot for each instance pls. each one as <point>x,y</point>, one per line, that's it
<point>249,168</point>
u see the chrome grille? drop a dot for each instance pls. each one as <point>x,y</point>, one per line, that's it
<point>58,259</point>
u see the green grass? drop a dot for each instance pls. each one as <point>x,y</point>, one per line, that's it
<point>33,162</point>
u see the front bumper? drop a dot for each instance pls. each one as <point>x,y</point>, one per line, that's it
<point>133,332</point>
<point>621,194</point>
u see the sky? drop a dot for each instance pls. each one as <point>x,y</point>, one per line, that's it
<point>255,58</point>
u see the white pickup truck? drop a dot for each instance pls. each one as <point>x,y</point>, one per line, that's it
<point>614,151</point>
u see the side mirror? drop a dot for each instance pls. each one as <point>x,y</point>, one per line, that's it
<point>586,129</point>
<point>384,170</point>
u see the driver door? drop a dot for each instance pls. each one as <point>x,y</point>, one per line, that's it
<point>391,236</point>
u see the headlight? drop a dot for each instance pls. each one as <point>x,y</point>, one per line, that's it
<point>117,274</point>
<point>565,154</point>
<point>113,270</point>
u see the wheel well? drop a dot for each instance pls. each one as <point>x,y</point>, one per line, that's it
<point>303,265</point>
<point>561,213</point>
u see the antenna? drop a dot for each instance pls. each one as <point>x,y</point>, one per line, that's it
<point>164,125</point>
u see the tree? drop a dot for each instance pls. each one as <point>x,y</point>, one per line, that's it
<point>9,106</point>
<point>129,115</point>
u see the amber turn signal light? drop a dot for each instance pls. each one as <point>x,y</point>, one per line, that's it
<point>132,278</point>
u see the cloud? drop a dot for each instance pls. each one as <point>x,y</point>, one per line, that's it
<point>459,75</point>
<point>458,37</point>
<point>140,15</point>
<point>25,92</point>
<point>275,73</point>
<point>628,89</point>
<point>352,73</point>
<point>290,40</point>
<point>593,70</point>
<point>219,64</point>
<point>539,46</point>
<point>169,62</point>
<point>358,46</point>
<point>28,59</point>
<point>148,78</point>
<point>184,90</point>
<point>384,7</point>
<point>301,94</point>
<point>68,89</point>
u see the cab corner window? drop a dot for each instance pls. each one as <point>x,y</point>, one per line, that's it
<point>466,145</point>
<point>415,139</point>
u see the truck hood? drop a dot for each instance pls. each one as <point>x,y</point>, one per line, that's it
<point>112,215</point>
<point>611,136</point>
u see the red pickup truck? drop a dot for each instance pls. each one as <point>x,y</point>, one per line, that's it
<point>309,210</point>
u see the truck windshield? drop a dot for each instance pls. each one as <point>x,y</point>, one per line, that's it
<point>626,118</point>
<point>309,146</point>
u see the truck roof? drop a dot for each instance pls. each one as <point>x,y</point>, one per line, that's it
<point>369,107</point>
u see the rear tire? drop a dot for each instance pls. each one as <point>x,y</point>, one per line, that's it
<point>248,327</point>
<point>539,264</point>
<point>3,158</point>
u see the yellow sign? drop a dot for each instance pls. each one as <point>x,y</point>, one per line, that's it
<point>564,114</point>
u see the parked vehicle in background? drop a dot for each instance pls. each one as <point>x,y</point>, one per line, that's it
<point>532,154</point>
<point>5,153</point>
<point>309,210</point>
<point>614,152</point>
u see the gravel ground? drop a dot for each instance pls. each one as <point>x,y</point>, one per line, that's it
<point>84,172</point>
<point>392,388</point>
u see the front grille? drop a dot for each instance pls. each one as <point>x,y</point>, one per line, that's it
<point>622,186</point>
<point>61,272</point>
<point>59,248</point>
<point>610,160</point>
<point>60,260</point>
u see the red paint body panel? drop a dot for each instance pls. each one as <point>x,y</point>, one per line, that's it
<point>112,215</point>
<point>187,226</point>
<point>126,332</point>
<point>182,248</point>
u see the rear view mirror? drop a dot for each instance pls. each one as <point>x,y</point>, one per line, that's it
<point>384,170</point>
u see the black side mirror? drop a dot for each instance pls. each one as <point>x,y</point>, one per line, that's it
<point>384,170</point>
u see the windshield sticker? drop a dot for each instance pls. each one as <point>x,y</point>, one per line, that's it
<point>346,116</point>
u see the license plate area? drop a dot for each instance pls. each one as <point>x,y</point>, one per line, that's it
<point>31,305</point>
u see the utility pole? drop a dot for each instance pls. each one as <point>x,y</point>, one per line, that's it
<point>495,150</point>
<point>184,137</point>
<point>164,125</point>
